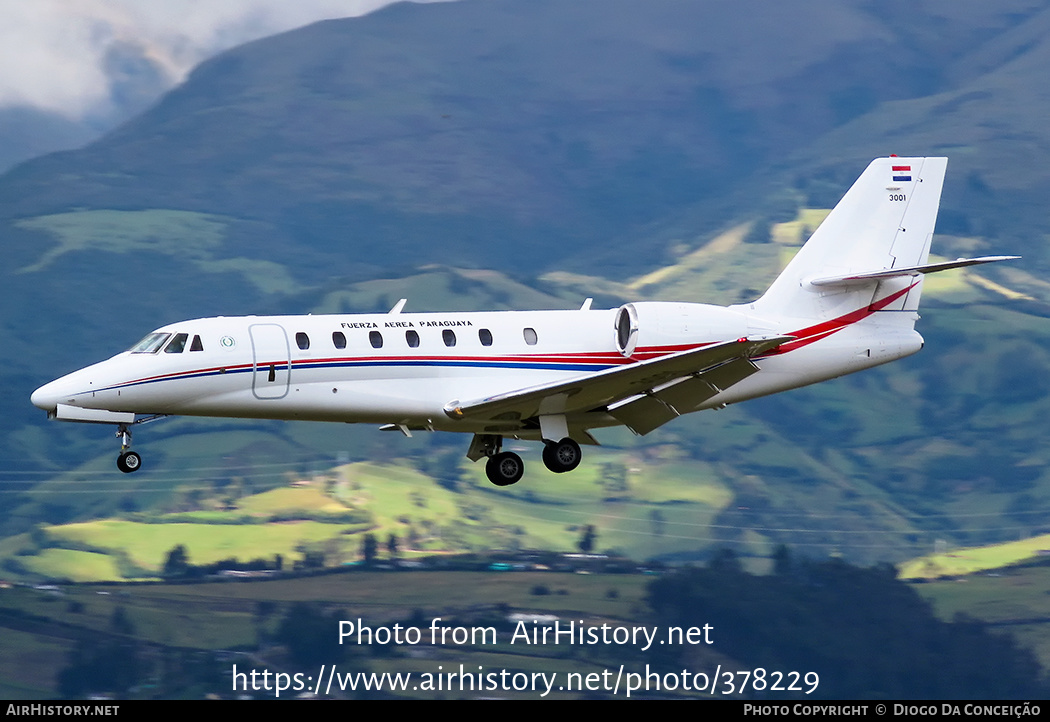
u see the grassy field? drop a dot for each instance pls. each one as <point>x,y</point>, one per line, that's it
<point>961,562</point>
<point>662,507</point>
<point>148,544</point>
<point>76,566</point>
<point>195,235</point>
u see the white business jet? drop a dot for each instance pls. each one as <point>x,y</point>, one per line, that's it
<point>847,301</point>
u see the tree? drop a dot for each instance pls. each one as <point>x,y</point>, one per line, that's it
<point>177,564</point>
<point>587,538</point>
<point>725,560</point>
<point>782,560</point>
<point>369,549</point>
<point>759,232</point>
<point>613,477</point>
<point>866,633</point>
<point>308,634</point>
<point>657,522</point>
<point>101,665</point>
<point>120,623</point>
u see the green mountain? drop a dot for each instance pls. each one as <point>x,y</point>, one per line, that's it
<point>502,154</point>
<point>475,129</point>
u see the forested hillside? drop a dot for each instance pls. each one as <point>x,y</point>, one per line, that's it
<point>491,154</point>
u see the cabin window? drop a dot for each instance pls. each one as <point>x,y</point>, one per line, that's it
<point>376,339</point>
<point>412,339</point>
<point>530,336</point>
<point>485,336</point>
<point>339,339</point>
<point>302,341</point>
<point>150,344</point>
<point>449,337</point>
<point>178,344</point>
<point>196,345</point>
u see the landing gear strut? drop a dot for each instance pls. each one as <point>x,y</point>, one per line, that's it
<point>128,461</point>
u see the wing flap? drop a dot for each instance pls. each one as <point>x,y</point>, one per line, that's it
<point>584,393</point>
<point>645,413</point>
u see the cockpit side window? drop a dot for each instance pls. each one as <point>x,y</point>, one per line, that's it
<point>178,344</point>
<point>151,344</point>
<point>196,345</point>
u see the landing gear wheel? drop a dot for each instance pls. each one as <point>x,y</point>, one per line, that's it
<point>129,461</point>
<point>505,468</point>
<point>562,456</point>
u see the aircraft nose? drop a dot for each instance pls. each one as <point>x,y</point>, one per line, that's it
<point>46,397</point>
<point>59,391</point>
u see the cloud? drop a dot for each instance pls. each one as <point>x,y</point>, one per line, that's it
<point>66,57</point>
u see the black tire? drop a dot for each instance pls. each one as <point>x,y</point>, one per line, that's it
<point>562,456</point>
<point>129,461</point>
<point>504,469</point>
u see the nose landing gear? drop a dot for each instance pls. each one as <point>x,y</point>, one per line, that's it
<point>128,461</point>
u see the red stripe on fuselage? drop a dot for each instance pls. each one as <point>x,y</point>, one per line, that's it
<point>811,334</point>
<point>804,337</point>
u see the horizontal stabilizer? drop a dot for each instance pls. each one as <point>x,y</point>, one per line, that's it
<point>856,279</point>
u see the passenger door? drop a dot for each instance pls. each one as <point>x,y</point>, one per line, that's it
<point>271,361</point>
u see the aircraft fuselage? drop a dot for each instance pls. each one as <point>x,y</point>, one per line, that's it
<point>407,368</point>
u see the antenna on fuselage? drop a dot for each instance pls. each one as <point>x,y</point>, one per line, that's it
<point>398,306</point>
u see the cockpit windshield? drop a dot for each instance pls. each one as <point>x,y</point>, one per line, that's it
<point>150,344</point>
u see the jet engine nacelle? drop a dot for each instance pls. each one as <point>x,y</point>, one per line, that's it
<point>643,326</point>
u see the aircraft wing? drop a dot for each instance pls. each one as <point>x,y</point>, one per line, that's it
<point>644,379</point>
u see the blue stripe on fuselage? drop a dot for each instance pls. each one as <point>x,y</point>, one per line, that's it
<point>304,364</point>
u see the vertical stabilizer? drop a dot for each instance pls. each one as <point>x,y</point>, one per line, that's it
<point>884,221</point>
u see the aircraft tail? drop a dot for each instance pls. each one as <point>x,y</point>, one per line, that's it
<point>871,251</point>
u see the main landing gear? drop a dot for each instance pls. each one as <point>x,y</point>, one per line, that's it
<point>561,456</point>
<point>128,461</point>
<point>504,468</point>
